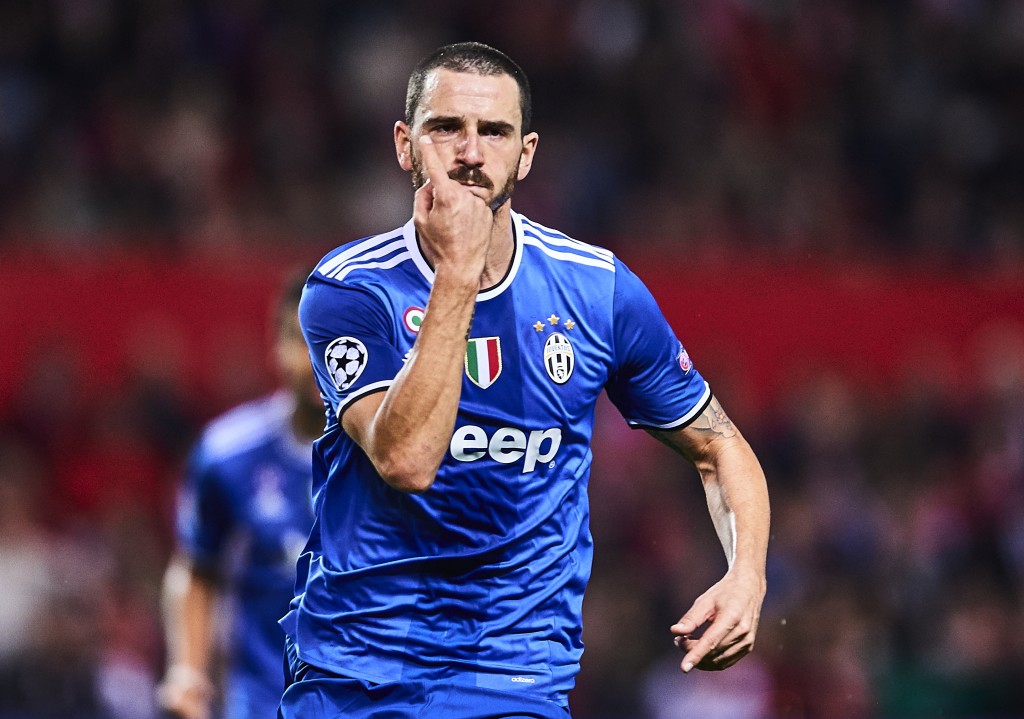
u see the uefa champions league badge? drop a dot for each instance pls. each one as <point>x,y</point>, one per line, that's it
<point>413,318</point>
<point>345,358</point>
<point>684,360</point>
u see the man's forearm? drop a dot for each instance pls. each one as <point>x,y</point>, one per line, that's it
<point>737,497</point>
<point>734,484</point>
<point>408,434</point>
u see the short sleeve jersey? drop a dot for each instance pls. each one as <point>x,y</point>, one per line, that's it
<point>481,578</point>
<point>244,513</point>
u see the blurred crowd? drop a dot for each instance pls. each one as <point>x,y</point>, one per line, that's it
<point>829,128</point>
<point>825,127</point>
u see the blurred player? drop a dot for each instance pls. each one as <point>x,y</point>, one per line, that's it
<point>244,514</point>
<point>462,356</point>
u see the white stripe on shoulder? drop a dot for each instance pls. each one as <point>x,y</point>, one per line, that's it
<point>327,267</point>
<point>554,237</point>
<point>343,272</point>
<point>387,249</point>
<point>567,256</point>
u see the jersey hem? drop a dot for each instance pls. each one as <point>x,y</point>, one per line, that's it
<point>558,697</point>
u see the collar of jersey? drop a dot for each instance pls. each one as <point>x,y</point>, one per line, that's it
<point>409,232</point>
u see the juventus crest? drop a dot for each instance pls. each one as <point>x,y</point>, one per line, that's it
<point>559,358</point>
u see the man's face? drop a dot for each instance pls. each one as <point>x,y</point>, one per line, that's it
<point>475,122</point>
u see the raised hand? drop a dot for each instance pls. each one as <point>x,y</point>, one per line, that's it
<point>453,222</point>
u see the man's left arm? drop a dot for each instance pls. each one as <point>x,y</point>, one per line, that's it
<point>737,497</point>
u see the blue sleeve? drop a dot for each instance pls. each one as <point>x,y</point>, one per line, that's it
<point>351,342</point>
<point>653,383</point>
<point>205,517</point>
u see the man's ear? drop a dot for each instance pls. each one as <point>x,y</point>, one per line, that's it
<point>530,141</point>
<point>403,145</point>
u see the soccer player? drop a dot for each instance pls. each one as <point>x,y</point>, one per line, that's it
<point>245,512</point>
<point>461,357</point>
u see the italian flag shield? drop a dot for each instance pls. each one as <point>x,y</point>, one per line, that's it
<point>483,361</point>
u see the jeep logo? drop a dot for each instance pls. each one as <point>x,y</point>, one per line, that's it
<point>507,445</point>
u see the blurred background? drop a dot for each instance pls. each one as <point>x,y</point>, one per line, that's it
<point>826,198</point>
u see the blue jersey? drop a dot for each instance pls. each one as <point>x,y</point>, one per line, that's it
<point>245,514</point>
<point>481,578</point>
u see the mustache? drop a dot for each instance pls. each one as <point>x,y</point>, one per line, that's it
<point>472,175</point>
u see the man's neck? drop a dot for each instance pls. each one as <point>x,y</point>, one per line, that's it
<point>499,256</point>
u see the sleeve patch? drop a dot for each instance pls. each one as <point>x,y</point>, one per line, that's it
<point>346,359</point>
<point>685,364</point>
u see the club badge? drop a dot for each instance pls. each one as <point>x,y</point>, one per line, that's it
<point>559,358</point>
<point>483,361</point>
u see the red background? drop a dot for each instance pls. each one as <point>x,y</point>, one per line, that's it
<point>757,324</point>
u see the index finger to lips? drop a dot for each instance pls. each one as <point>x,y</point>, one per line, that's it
<point>432,162</point>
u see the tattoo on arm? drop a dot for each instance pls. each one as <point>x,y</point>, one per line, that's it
<point>714,421</point>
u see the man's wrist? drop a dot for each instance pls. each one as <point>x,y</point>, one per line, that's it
<point>749,571</point>
<point>458,279</point>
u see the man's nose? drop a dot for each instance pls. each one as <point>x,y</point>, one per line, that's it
<point>469,149</point>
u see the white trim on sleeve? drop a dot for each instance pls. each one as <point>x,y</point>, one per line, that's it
<point>685,419</point>
<point>362,392</point>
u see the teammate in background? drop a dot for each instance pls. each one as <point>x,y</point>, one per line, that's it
<point>245,512</point>
<point>461,357</point>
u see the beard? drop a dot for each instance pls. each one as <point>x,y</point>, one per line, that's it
<point>464,174</point>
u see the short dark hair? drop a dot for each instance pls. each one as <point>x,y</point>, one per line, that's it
<point>468,57</point>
